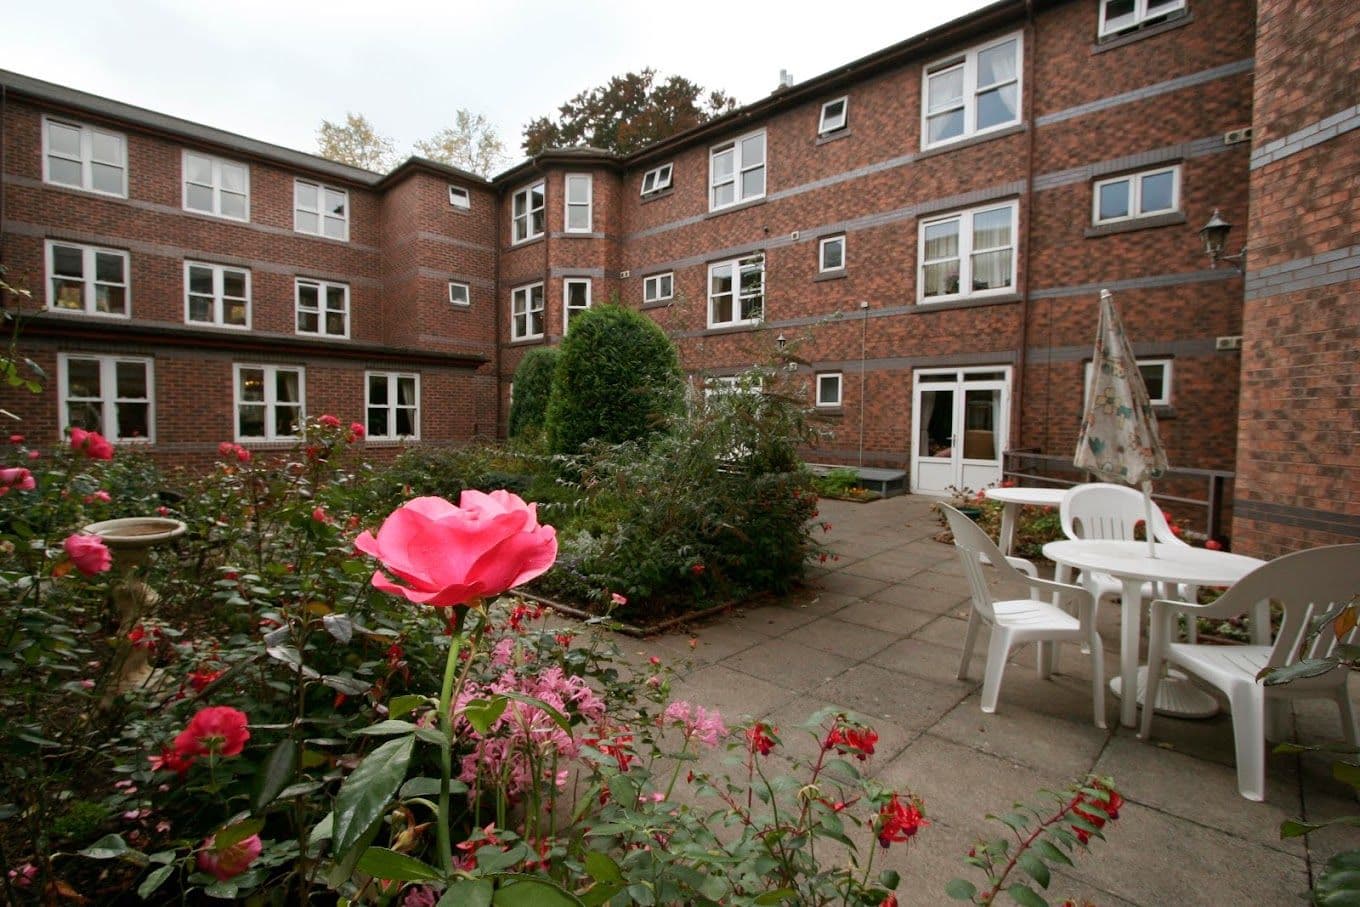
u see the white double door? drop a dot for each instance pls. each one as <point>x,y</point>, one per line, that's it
<point>960,418</point>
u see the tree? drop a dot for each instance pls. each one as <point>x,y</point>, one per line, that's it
<point>629,112</point>
<point>470,143</point>
<point>533,386</point>
<point>356,143</point>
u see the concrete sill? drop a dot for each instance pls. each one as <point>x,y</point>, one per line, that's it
<point>740,206</point>
<point>827,138</point>
<point>838,274</point>
<point>1116,41</point>
<point>922,308</point>
<point>1134,224</point>
<point>657,196</point>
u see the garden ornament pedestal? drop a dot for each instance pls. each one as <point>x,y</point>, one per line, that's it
<point>130,541</point>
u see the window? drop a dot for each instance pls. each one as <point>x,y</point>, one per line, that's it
<point>1118,16</point>
<point>831,254</point>
<point>833,116</point>
<point>392,405</point>
<point>578,214</point>
<point>320,210</point>
<point>973,93</point>
<point>829,389</point>
<point>657,178</point>
<point>460,198</point>
<point>108,394</point>
<point>575,299</point>
<point>269,402</point>
<point>658,287</point>
<point>217,295</point>
<point>217,187</point>
<point>1156,377</point>
<point>322,308</point>
<point>459,293</point>
<point>736,291</point>
<point>526,312</point>
<point>527,210</point>
<point>87,279</point>
<point>1137,195</point>
<point>968,254</point>
<point>722,385</point>
<point>84,157</point>
<point>736,171</point>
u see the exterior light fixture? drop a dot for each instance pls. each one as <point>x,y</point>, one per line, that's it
<point>780,341</point>
<point>1215,236</point>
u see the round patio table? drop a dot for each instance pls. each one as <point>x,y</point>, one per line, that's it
<point>1130,563</point>
<point>1014,499</point>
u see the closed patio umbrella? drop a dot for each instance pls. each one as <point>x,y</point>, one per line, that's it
<point>1119,441</point>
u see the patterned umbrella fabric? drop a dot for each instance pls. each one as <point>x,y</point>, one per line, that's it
<point>1119,441</point>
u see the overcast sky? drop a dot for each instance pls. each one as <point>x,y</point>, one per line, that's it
<point>273,69</point>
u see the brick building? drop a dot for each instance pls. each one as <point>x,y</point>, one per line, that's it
<point>928,227</point>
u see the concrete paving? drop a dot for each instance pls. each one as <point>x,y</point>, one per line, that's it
<point>880,634</point>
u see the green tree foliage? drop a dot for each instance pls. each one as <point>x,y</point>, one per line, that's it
<point>618,379</point>
<point>533,387</point>
<point>357,143</point>
<point>471,143</point>
<point>627,113</point>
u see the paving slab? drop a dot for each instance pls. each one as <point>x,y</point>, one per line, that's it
<point>1019,735</point>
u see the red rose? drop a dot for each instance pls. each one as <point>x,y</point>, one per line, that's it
<point>357,429</point>
<point>229,862</point>
<point>329,421</point>
<point>88,553</point>
<point>217,730</point>
<point>92,444</point>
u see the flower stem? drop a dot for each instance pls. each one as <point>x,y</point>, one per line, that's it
<point>446,755</point>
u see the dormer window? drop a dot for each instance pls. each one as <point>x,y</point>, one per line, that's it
<point>656,179</point>
<point>1120,16</point>
<point>833,116</point>
<point>460,198</point>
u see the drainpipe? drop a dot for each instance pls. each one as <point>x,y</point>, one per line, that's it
<point>1018,394</point>
<point>496,353</point>
<point>863,342</point>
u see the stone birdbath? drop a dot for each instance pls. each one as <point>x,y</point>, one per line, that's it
<point>130,541</point>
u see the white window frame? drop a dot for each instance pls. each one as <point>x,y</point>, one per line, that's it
<point>821,254</point>
<point>270,401</point>
<point>965,254</point>
<point>86,158</point>
<point>967,60</point>
<point>1168,371</point>
<point>321,310</point>
<point>1140,17</point>
<point>739,169</point>
<point>567,307</point>
<point>458,192</point>
<point>840,390</point>
<point>89,278</point>
<point>568,204</point>
<point>219,295</point>
<point>108,378</point>
<point>391,405</point>
<point>319,211</point>
<point>215,186</point>
<point>651,287</point>
<point>659,177</point>
<point>1135,181</point>
<point>525,294</point>
<point>467,293</point>
<point>735,265</point>
<point>828,124</point>
<point>528,216</point>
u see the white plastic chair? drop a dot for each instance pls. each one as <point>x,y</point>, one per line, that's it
<point>1306,583</point>
<point>1019,621</point>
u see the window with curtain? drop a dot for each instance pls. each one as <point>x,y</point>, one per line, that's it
<point>736,291</point>
<point>392,405</point>
<point>967,254</point>
<point>971,93</point>
<point>322,307</point>
<point>217,295</point>
<point>113,395</point>
<point>269,402</point>
<point>575,299</point>
<point>87,279</point>
<point>526,312</point>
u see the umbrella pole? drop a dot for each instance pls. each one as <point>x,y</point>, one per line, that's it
<point>1147,529</point>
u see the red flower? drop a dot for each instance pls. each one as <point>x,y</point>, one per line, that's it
<point>564,639</point>
<point>92,444</point>
<point>172,760</point>
<point>202,677</point>
<point>329,421</point>
<point>357,429</point>
<point>1214,545</point>
<point>319,515</point>
<point>88,553</point>
<point>899,822</point>
<point>16,439</point>
<point>17,478</point>
<point>889,901</point>
<point>759,741</point>
<point>229,862</point>
<point>217,730</point>
<point>1096,811</point>
<point>697,569</point>
<point>857,742</point>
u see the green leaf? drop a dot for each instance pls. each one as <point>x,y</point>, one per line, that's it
<point>429,787</point>
<point>961,889</point>
<point>1025,896</point>
<point>601,867</point>
<point>890,879</point>
<point>225,891</point>
<point>388,728</point>
<point>396,867</point>
<point>529,891</point>
<point>1034,867</point>
<point>776,897</point>
<point>601,893</point>
<point>467,893</point>
<point>402,705</point>
<point>1049,852</point>
<point>154,881</point>
<point>482,713</point>
<point>554,714</point>
<point>366,792</point>
<point>1346,773</point>
<point>107,848</point>
<point>232,834</point>
<point>278,770</point>
<point>1308,667</point>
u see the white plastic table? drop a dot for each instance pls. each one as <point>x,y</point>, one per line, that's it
<point>1014,499</point>
<point>1130,563</point>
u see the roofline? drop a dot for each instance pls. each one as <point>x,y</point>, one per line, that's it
<point>417,164</point>
<point>565,156</point>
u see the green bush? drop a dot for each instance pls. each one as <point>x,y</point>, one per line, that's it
<point>838,482</point>
<point>533,387</point>
<point>618,379</point>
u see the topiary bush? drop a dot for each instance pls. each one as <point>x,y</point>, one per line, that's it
<point>618,379</point>
<point>533,387</point>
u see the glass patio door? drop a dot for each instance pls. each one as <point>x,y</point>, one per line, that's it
<point>959,422</point>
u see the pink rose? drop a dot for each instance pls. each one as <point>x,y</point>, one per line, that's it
<point>16,439</point>
<point>18,479</point>
<point>357,429</point>
<point>329,421</point>
<point>229,862</point>
<point>88,553</point>
<point>450,555</point>
<point>101,496</point>
<point>92,444</point>
<point>319,514</point>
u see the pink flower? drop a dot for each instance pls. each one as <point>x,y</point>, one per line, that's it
<point>242,455</point>
<point>226,448</point>
<point>319,515</point>
<point>16,439</point>
<point>229,862</point>
<point>101,496</point>
<point>163,510</point>
<point>92,444</point>
<point>617,599</point>
<point>34,454</point>
<point>88,553</point>
<point>216,730</point>
<point>329,421</point>
<point>449,555</point>
<point>23,876</point>
<point>17,479</point>
<point>357,429</point>
<point>698,722</point>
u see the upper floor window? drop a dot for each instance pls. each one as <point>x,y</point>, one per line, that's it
<point>658,287</point>
<point>320,210</point>
<point>269,402</point>
<point>460,198</point>
<point>459,293</point>
<point>578,202</point>
<point>217,187</point>
<point>217,295</point>
<point>84,157</point>
<point>526,312</point>
<point>392,405</point>
<point>87,279</point>
<point>974,92</point>
<point>575,299</point>
<point>1119,16</point>
<point>736,171</point>
<point>1137,195</point>
<point>527,213</point>
<point>112,395</point>
<point>833,116</point>
<point>831,254</point>
<point>829,389</point>
<point>1156,378</point>
<point>736,291</point>
<point>322,307</point>
<point>968,253</point>
<point>657,178</point>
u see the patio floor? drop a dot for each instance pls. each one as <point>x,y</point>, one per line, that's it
<point>881,635</point>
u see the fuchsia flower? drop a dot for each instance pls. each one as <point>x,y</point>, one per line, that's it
<point>229,862</point>
<point>899,822</point>
<point>89,553</point>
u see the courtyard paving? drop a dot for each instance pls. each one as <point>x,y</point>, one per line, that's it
<point>880,634</point>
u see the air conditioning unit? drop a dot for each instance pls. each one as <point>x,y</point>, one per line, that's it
<point>1233,342</point>
<point>1234,136</point>
<point>624,275</point>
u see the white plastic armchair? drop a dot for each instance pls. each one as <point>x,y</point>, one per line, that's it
<point>1018,621</point>
<point>1306,583</point>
